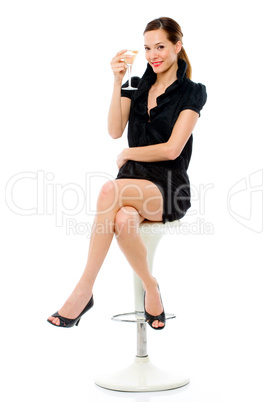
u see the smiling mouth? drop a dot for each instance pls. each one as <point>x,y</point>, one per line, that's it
<point>157,63</point>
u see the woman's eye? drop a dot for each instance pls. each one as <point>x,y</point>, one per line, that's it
<point>160,47</point>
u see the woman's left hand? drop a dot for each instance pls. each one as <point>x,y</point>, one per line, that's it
<point>121,159</point>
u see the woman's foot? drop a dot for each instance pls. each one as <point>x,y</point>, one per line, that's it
<point>153,304</point>
<point>73,307</point>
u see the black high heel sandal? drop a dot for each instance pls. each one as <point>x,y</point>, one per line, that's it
<point>68,322</point>
<point>151,318</point>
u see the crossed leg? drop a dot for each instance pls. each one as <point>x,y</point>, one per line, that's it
<point>121,206</point>
<point>134,249</point>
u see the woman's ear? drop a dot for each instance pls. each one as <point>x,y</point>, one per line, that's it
<point>178,47</point>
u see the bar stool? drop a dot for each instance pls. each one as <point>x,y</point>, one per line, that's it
<point>142,375</point>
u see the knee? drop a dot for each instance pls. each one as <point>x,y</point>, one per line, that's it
<point>126,222</point>
<point>108,194</point>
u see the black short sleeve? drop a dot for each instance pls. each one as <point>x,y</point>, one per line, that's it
<point>128,93</point>
<point>195,98</point>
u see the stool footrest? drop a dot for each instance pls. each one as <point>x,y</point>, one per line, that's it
<point>136,317</point>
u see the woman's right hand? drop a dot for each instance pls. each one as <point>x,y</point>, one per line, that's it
<point>118,66</point>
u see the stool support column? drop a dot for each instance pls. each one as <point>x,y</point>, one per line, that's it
<point>141,339</point>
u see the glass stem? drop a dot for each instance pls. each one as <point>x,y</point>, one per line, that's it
<point>129,74</point>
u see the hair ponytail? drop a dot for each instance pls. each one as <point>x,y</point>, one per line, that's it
<point>183,55</point>
<point>174,35</point>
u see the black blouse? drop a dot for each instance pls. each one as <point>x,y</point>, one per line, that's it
<point>170,176</point>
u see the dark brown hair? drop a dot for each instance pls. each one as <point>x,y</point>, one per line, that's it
<point>174,34</point>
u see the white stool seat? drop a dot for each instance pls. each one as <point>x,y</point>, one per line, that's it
<point>141,375</point>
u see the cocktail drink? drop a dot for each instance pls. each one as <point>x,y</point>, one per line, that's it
<point>129,58</point>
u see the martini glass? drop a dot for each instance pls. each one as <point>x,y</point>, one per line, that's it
<point>129,58</point>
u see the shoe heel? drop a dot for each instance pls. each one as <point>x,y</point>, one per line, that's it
<point>78,322</point>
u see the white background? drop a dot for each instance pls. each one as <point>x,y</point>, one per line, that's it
<point>56,84</point>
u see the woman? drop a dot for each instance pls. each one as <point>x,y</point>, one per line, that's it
<point>152,182</point>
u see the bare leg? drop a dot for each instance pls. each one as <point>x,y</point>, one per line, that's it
<point>131,244</point>
<point>142,195</point>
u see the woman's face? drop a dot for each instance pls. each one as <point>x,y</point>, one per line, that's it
<point>160,53</point>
